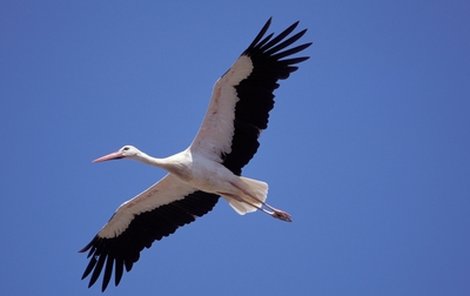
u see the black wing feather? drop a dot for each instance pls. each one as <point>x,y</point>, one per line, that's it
<point>281,36</point>
<point>124,250</point>
<point>261,33</point>
<point>255,93</point>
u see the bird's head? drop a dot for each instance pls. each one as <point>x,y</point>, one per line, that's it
<point>127,151</point>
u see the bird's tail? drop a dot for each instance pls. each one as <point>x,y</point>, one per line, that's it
<point>254,193</point>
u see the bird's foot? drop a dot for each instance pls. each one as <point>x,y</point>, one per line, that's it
<point>281,215</point>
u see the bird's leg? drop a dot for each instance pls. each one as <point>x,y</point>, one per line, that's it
<point>265,208</point>
<point>273,212</point>
<point>237,198</point>
<point>277,213</point>
<point>281,215</point>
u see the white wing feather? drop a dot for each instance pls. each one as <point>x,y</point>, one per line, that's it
<point>217,129</point>
<point>165,191</point>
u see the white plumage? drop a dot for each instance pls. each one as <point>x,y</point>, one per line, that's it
<point>209,168</point>
<point>216,132</point>
<point>165,191</point>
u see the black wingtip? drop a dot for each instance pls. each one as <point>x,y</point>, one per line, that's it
<point>279,37</point>
<point>108,272</point>
<point>118,271</point>
<point>89,268</point>
<point>97,271</point>
<point>260,35</point>
<point>276,46</point>
<point>86,248</point>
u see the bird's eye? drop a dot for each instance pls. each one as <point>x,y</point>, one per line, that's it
<point>125,148</point>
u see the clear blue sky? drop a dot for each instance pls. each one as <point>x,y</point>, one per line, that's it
<point>368,145</point>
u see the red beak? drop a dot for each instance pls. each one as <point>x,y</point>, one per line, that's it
<point>111,156</point>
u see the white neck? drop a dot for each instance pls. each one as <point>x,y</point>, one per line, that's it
<point>153,161</point>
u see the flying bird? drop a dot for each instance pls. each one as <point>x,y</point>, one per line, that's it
<point>210,167</point>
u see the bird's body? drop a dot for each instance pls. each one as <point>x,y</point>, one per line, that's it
<point>202,173</point>
<point>209,168</point>
<point>199,171</point>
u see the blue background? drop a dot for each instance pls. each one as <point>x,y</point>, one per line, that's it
<point>368,145</point>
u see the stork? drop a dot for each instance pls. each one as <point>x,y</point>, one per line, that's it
<point>209,168</point>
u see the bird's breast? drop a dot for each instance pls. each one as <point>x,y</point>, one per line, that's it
<point>208,175</point>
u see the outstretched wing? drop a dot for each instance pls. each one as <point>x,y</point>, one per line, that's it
<point>238,112</point>
<point>243,96</point>
<point>151,215</point>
